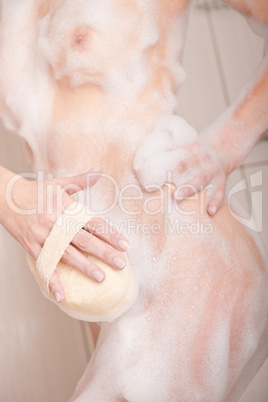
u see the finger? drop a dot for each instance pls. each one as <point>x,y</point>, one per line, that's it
<point>32,247</point>
<point>149,188</point>
<point>107,233</point>
<point>193,186</point>
<point>95,246</point>
<point>79,182</point>
<point>60,203</point>
<point>56,287</point>
<point>54,283</point>
<point>216,197</point>
<point>73,257</point>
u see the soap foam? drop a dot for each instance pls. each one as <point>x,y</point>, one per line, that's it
<point>92,48</point>
<point>201,314</point>
<point>83,51</point>
<point>162,150</point>
<point>188,329</point>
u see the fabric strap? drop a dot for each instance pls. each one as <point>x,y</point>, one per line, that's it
<point>62,233</point>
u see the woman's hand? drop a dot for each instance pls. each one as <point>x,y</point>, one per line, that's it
<point>32,229</point>
<point>209,171</point>
<point>173,152</point>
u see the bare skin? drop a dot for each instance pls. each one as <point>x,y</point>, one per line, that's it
<point>208,289</point>
<point>32,230</point>
<point>215,153</point>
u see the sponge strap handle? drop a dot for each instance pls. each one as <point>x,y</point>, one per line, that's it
<point>62,233</point>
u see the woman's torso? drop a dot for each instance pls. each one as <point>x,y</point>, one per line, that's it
<point>86,85</point>
<point>108,69</point>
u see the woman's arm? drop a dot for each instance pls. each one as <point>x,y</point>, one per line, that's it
<point>255,9</point>
<point>246,122</point>
<point>223,146</point>
<point>29,209</point>
<point>225,143</point>
<point>234,134</point>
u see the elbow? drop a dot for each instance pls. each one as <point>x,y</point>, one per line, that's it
<point>256,10</point>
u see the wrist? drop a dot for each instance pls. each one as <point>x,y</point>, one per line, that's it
<point>5,211</point>
<point>224,143</point>
<point>218,153</point>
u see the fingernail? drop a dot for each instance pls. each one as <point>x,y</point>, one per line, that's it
<point>150,187</point>
<point>98,276</point>
<point>212,210</point>
<point>57,296</point>
<point>147,187</point>
<point>179,195</point>
<point>119,263</point>
<point>123,245</point>
<point>96,169</point>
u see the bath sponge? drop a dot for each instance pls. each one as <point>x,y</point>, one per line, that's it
<point>84,299</point>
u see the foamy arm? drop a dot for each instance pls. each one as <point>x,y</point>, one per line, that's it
<point>174,152</point>
<point>245,122</point>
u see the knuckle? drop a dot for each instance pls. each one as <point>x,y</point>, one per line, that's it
<point>76,184</point>
<point>67,255</point>
<point>206,158</point>
<point>206,176</point>
<point>187,191</point>
<point>110,236</point>
<point>114,236</point>
<point>107,255</point>
<point>83,240</point>
<point>94,224</point>
<point>46,219</point>
<point>86,269</point>
<point>182,166</point>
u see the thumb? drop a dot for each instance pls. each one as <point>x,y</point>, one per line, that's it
<point>79,182</point>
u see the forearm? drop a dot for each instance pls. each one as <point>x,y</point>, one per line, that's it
<point>255,9</point>
<point>238,129</point>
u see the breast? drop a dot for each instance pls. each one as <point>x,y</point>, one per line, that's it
<point>100,42</point>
